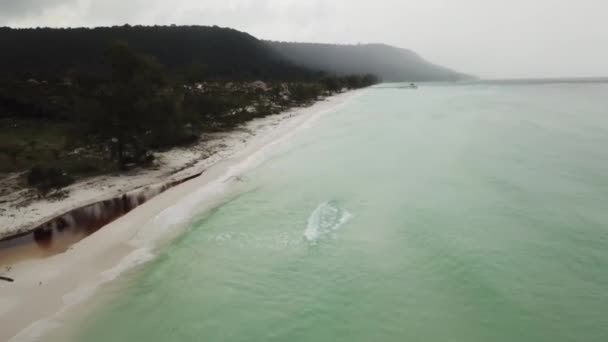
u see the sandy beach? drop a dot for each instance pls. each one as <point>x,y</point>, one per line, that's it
<point>22,211</point>
<point>44,289</point>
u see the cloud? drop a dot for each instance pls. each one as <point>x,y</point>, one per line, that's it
<point>19,9</point>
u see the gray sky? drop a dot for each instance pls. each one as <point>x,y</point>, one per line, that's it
<point>488,38</point>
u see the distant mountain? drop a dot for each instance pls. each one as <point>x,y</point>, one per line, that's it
<point>224,52</point>
<point>221,52</point>
<point>387,62</point>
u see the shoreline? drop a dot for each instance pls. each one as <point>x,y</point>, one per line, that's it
<point>59,234</point>
<point>56,284</point>
<point>22,211</point>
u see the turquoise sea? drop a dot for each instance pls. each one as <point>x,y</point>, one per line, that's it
<point>455,212</point>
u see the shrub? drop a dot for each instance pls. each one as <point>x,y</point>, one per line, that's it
<point>47,179</point>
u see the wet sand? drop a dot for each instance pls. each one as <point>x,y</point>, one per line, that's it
<point>60,233</point>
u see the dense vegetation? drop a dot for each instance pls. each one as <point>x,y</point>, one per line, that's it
<point>77,107</point>
<point>219,52</point>
<point>389,63</point>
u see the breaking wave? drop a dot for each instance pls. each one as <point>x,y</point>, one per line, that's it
<point>326,220</point>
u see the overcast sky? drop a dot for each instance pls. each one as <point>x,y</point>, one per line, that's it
<point>488,38</point>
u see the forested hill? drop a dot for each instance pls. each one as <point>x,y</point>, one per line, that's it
<point>224,53</point>
<point>389,63</point>
<point>116,95</point>
<point>221,52</point>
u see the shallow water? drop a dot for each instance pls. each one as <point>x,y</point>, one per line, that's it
<point>469,212</point>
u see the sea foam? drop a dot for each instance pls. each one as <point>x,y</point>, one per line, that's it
<point>327,218</point>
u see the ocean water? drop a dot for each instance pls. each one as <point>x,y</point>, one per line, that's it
<point>464,212</point>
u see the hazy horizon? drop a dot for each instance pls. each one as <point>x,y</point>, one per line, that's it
<point>488,39</point>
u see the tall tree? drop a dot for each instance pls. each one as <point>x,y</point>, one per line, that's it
<point>127,99</point>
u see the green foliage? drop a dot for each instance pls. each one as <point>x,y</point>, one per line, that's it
<point>47,179</point>
<point>224,53</point>
<point>134,103</point>
<point>335,84</point>
<point>23,141</point>
<point>331,84</point>
<point>196,72</point>
<point>301,92</point>
<point>124,104</point>
<point>12,152</point>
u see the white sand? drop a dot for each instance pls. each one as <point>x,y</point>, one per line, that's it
<point>46,289</point>
<point>20,211</point>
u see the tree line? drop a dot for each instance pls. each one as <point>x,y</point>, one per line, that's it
<point>225,53</point>
<point>66,125</point>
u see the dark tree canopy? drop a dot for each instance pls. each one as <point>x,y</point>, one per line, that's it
<point>79,102</point>
<point>220,52</point>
